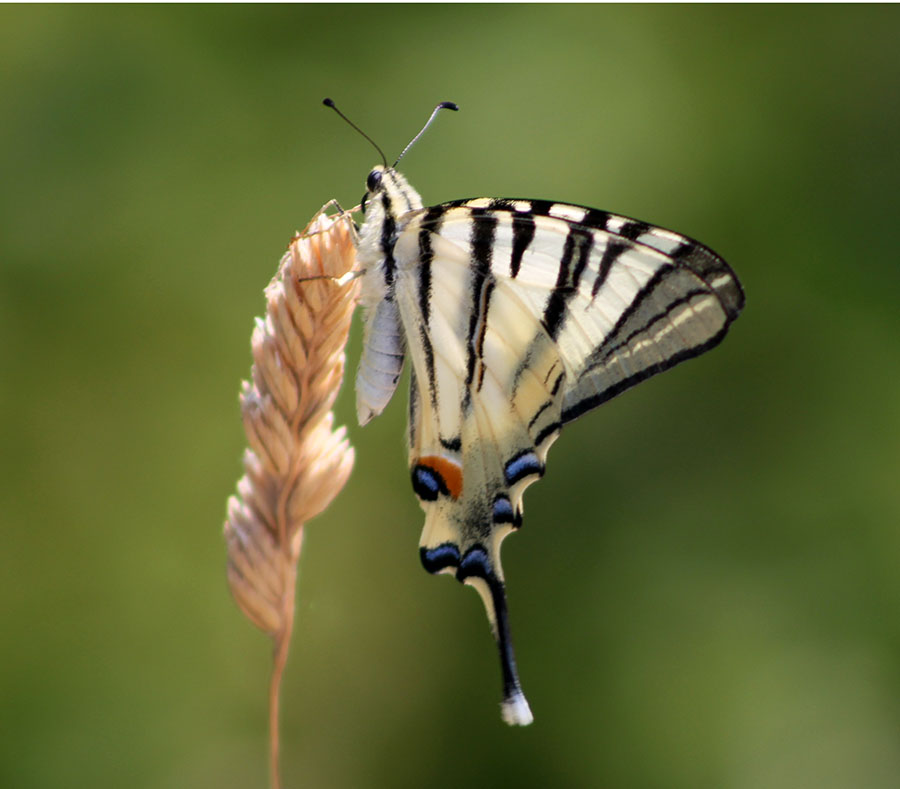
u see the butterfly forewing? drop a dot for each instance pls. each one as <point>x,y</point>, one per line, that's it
<point>622,299</point>
<point>518,316</point>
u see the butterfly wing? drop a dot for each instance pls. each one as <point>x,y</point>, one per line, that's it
<point>476,438</point>
<point>622,299</point>
<point>519,316</point>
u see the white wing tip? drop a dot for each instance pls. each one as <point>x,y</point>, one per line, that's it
<point>515,710</point>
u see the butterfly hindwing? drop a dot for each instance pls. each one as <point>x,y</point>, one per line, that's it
<point>483,411</point>
<point>517,316</point>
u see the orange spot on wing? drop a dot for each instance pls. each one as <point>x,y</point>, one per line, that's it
<point>448,470</point>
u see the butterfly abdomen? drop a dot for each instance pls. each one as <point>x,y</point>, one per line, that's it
<point>382,360</point>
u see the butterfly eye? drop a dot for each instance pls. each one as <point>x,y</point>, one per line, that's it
<point>374,180</point>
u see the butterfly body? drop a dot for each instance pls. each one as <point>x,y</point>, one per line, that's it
<point>517,316</point>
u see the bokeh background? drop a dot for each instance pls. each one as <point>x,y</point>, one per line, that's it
<point>706,592</point>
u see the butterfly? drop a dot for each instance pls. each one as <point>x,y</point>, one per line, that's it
<point>517,316</point>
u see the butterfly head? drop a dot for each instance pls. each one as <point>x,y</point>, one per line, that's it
<point>388,193</point>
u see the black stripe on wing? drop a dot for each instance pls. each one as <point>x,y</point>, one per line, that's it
<point>654,308</point>
<point>610,254</point>
<point>523,235</point>
<point>431,223</point>
<point>715,272</point>
<point>576,252</point>
<point>484,228</point>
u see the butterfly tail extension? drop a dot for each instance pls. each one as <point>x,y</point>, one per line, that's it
<point>474,568</point>
<point>514,708</point>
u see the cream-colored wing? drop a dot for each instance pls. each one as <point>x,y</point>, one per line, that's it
<point>478,437</point>
<point>518,316</point>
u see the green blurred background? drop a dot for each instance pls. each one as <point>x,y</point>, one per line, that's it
<point>706,592</point>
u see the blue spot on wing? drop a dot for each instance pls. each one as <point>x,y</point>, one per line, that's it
<point>503,512</point>
<point>436,559</point>
<point>475,563</point>
<point>426,483</point>
<point>525,464</point>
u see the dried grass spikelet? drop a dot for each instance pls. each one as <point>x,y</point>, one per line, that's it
<point>297,461</point>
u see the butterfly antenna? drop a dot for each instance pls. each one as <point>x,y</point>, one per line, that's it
<point>444,105</point>
<point>330,103</point>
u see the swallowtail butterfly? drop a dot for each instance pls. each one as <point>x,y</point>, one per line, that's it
<point>517,317</point>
